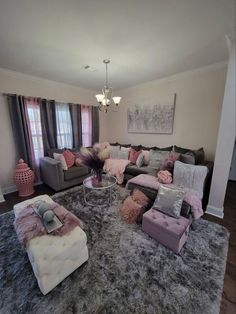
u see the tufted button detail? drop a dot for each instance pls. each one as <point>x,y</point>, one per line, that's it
<point>178,223</point>
<point>164,216</point>
<point>153,216</point>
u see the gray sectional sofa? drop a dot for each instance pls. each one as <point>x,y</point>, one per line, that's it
<point>199,155</point>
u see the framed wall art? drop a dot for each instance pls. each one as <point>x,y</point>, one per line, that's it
<point>157,118</point>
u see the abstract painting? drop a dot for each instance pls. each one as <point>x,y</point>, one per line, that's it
<point>155,118</point>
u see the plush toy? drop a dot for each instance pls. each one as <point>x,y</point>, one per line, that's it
<point>44,210</point>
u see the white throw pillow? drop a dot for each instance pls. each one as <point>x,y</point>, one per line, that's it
<point>140,160</point>
<point>190,176</point>
<point>114,151</point>
<point>146,155</point>
<point>62,160</point>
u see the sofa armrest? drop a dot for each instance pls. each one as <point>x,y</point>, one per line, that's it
<point>52,173</point>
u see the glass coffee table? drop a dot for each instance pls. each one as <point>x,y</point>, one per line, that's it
<point>99,194</point>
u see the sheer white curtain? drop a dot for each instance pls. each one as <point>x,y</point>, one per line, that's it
<point>64,126</point>
<point>86,117</point>
<point>33,111</point>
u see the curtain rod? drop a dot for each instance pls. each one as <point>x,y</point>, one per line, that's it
<point>8,94</point>
<point>11,94</point>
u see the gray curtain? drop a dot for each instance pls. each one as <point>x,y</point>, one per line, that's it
<point>49,126</point>
<point>75,111</point>
<point>95,125</point>
<point>20,129</point>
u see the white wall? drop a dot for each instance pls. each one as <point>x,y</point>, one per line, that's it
<point>225,143</point>
<point>14,82</point>
<point>232,173</point>
<point>197,113</point>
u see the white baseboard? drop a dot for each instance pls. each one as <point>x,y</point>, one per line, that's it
<point>12,188</point>
<point>9,189</point>
<point>215,211</point>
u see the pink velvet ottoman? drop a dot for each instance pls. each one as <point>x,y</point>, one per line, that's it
<point>167,230</point>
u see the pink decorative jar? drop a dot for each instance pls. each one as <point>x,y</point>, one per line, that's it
<point>24,179</point>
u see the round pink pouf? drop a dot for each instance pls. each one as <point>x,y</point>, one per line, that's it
<point>24,179</point>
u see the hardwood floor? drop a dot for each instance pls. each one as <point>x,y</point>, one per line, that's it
<point>228,303</point>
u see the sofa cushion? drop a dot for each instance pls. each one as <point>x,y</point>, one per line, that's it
<point>199,154</point>
<point>187,158</point>
<point>75,172</point>
<point>134,170</point>
<point>169,148</point>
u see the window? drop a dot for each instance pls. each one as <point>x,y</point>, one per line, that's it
<point>33,111</point>
<point>86,117</point>
<point>64,126</point>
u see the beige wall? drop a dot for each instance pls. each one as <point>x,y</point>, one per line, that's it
<point>13,82</point>
<point>197,112</point>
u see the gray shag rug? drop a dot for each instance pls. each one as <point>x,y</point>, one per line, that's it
<point>127,271</point>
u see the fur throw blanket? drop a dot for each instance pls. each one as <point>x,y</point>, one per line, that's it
<point>28,224</point>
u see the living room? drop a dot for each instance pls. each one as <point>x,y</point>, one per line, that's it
<point>176,58</point>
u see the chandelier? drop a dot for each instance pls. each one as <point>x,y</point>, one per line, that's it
<point>106,100</point>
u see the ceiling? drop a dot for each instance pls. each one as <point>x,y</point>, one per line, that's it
<point>145,40</point>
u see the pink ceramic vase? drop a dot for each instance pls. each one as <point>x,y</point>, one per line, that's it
<point>24,179</point>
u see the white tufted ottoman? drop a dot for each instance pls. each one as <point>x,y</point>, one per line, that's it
<point>53,258</point>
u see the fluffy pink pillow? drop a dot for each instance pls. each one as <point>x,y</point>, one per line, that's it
<point>164,177</point>
<point>140,198</point>
<point>69,158</point>
<point>133,155</point>
<point>130,210</point>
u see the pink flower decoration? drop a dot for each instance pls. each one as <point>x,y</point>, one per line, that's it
<point>164,176</point>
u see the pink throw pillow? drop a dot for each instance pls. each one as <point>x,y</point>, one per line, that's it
<point>164,177</point>
<point>140,198</point>
<point>130,210</point>
<point>133,155</point>
<point>69,158</point>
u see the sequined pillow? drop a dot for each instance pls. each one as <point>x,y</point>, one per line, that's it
<point>169,200</point>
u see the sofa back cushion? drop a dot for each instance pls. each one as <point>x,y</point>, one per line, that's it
<point>190,176</point>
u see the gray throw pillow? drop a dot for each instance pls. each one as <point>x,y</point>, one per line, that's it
<point>157,158</point>
<point>187,158</point>
<point>122,154</point>
<point>169,200</point>
<point>114,151</point>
